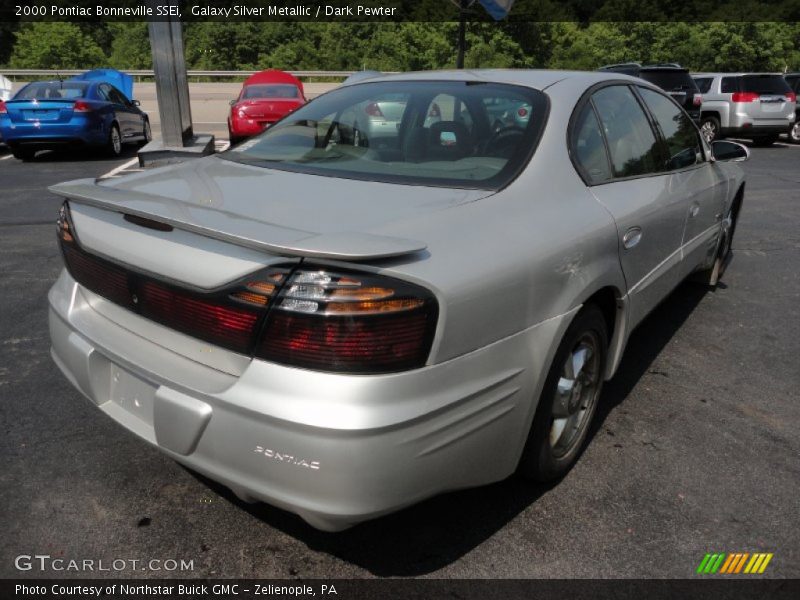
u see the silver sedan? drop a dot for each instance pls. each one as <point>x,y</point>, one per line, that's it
<point>342,330</point>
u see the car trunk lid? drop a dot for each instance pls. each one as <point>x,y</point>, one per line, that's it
<point>265,210</point>
<point>31,111</point>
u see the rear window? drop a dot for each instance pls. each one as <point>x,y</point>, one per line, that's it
<point>66,90</point>
<point>443,133</point>
<point>765,84</point>
<point>670,81</point>
<point>270,91</point>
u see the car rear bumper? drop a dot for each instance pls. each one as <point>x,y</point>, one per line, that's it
<point>757,130</point>
<point>247,127</point>
<point>51,135</point>
<point>335,449</point>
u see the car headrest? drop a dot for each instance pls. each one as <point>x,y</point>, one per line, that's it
<point>449,140</point>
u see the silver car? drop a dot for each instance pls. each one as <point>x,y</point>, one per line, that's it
<point>342,331</point>
<point>755,106</point>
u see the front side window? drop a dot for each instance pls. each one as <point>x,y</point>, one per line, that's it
<point>631,141</point>
<point>680,134</point>
<point>430,133</point>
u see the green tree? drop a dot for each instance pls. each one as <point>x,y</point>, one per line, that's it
<point>55,46</point>
<point>130,48</point>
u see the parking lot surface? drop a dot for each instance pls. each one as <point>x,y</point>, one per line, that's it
<point>695,447</point>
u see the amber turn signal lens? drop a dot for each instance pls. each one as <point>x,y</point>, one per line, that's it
<point>367,293</point>
<point>371,308</point>
<point>251,298</point>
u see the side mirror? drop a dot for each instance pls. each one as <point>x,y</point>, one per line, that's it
<point>730,151</point>
<point>232,102</point>
<point>136,103</point>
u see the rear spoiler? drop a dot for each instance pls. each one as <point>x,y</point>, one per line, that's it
<point>217,224</point>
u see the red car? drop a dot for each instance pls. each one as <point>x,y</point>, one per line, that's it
<point>265,98</point>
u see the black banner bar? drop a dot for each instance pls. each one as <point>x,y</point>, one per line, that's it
<point>322,11</point>
<point>718,588</point>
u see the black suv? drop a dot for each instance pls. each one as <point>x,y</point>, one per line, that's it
<point>670,77</point>
<point>793,79</point>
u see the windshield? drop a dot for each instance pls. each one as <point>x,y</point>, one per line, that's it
<point>52,90</point>
<point>456,134</point>
<point>270,91</point>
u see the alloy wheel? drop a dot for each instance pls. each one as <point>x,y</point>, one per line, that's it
<point>576,394</point>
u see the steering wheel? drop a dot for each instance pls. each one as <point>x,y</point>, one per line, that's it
<point>504,138</point>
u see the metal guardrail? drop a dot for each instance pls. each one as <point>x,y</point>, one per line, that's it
<point>149,73</point>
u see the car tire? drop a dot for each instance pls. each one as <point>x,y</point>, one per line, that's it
<point>794,132</point>
<point>709,128</point>
<point>114,143</point>
<point>569,399</point>
<point>147,133</point>
<point>23,154</point>
<point>763,142</point>
<point>713,275</point>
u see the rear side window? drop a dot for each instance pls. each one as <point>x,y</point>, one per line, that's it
<point>729,85</point>
<point>765,84</point>
<point>588,148</point>
<point>680,135</point>
<point>631,141</point>
<point>794,83</point>
<point>703,83</point>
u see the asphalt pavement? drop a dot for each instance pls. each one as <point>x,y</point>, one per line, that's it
<point>695,447</point>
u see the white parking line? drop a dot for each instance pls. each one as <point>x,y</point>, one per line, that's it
<point>114,171</point>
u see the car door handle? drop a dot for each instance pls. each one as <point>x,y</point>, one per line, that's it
<point>632,237</point>
<point>694,209</point>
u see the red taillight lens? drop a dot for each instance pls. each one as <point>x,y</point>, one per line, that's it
<point>342,322</point>
<point>81,107</point>
<point>744,97</point>
<point>349,323</point>
<point>435,111</point>
<point>373,110</point>
<point>697,100</point>
<point>211,319</point>
<point>522,112</point>
<point>790,97</point>
<point>3,109</point>
<point>229,318</point>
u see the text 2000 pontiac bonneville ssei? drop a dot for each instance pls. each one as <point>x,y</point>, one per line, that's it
<point>342,322</point>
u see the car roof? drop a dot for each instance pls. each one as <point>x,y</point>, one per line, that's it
<point>538,79</point>
<point>734,74</point>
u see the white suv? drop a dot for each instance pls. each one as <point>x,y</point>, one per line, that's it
<point>756,106</point>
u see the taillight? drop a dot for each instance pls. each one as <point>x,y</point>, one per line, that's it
<point>790,97</point>
<point>3,109</point>
<point>697,100</point>
<point>81,107</point>
<point>373,110</point>
<point>230,317</point>
<point>435,111</point>
<point>336,321</point>
<point>349,322</point>
<point>744,97</point>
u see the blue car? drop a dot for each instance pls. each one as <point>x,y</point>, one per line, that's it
<point>89,110</point>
